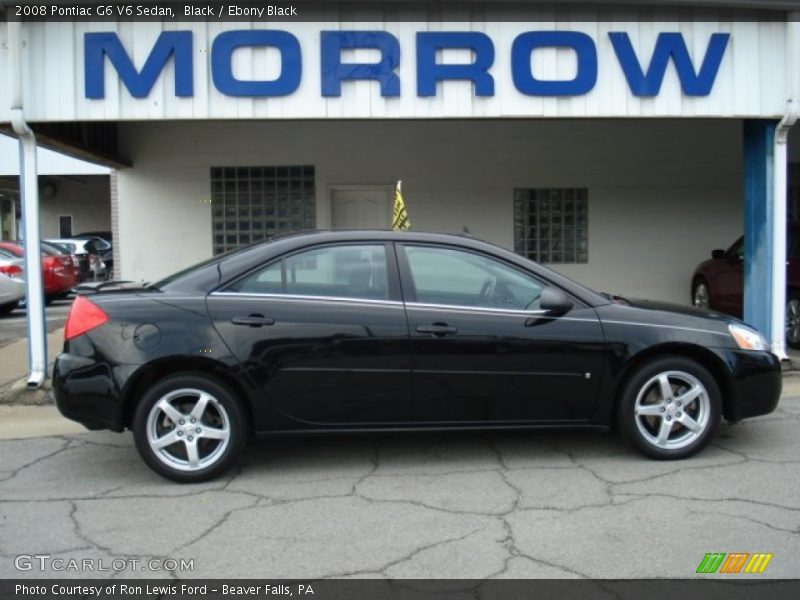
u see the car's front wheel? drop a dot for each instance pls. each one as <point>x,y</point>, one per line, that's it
<point>793,320</point>
<point>701,296</point>
<point>670,408</point>
<point>189,428</point>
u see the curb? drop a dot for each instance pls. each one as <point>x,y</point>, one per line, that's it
<point>17,393</point>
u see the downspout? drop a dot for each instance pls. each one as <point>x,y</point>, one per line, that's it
<point>29,193</point>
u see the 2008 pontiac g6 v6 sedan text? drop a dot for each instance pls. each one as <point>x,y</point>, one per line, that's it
<point>345,331</point>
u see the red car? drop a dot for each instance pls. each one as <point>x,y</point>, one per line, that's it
<point>59,274</point>
<point>718,283</point>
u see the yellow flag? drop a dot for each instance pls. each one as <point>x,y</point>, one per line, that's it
<point>400,220</point>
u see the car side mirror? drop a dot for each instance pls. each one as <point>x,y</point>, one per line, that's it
<point>718,254</point>
<point>554,302</point>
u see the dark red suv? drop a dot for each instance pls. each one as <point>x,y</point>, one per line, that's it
<point>719,283</point>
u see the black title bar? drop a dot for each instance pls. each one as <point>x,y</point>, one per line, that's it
<point>370,10</point>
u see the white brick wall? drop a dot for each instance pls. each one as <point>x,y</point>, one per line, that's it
<point>662,193</point>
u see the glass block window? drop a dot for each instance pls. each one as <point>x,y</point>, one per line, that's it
<point>551,225</point>
<point>249,204</point>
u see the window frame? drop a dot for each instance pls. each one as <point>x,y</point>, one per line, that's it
<point>410,292</point>
<point>521,245</point>
<point>263,193</point>
<point>392,274</point>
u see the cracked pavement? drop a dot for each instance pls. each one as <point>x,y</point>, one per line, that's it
<point>539,504</point>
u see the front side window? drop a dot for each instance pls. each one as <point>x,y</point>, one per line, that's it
<point>458,278</point>
<point>736,251</point>
<point>352,271</point>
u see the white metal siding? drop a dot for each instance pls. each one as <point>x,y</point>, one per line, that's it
<point>750,82</point>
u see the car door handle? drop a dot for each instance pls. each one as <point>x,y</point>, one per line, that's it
<point>253,321</point>
<point>437,329</point>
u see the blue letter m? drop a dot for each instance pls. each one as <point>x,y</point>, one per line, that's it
<point>670,45</point>
<point>139,83</point>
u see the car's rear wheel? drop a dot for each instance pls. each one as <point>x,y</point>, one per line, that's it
<point>189,428</point>
<point>701,296</point>
<point>793,320</point>
<point>670,408</point>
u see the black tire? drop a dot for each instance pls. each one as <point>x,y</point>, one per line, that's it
<point>8,307</point>
<point>701,281</point>
<point>643,388</point>
<point>793,319</point>
<point>173,461</point>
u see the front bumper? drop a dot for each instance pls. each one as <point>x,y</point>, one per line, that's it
<point>86,391</point>
<point>756,384</point>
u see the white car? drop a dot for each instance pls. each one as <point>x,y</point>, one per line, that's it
<point>12,284</point>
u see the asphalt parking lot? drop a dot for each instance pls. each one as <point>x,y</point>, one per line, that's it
<point>14,325</point>
<point>536,504</point>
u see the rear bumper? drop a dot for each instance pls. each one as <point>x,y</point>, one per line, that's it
<point>59,283</point>
<point>756,384</point>
<point>86,391</point>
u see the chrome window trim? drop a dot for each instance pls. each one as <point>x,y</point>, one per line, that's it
<point>451,308</point>
<point>503,312</point>
<point>303,298</point>
<point>479,309</point>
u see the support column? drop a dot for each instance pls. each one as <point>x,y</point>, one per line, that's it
<point>759,234</point>
<point>34,287</point>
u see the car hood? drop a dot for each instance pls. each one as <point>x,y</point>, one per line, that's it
<point>709,263</point>
<point>679,310</point>
<point>686,322</point>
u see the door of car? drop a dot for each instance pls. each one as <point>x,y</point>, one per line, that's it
<point>484,352</point>
<point>728,284</point>
<point>322,334</point>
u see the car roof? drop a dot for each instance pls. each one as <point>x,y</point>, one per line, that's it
<point>63,241</point>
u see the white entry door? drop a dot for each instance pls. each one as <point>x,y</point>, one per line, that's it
<point>361,208</point>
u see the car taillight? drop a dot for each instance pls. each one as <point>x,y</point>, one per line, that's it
<point>84,315</point>
<point>11,270</point>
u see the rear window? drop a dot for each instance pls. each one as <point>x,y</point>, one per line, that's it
<point>187,272</point>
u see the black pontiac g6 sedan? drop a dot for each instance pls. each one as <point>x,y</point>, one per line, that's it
<point>375,330</point>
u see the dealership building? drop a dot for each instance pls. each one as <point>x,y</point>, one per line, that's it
<point>618,147</point>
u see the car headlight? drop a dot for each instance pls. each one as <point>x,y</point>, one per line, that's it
<point>747,339</point>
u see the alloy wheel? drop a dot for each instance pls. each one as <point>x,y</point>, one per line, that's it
<point>672,410</point>
<point>701,295</point>
<point>188,429</point>
<point>793,321</point>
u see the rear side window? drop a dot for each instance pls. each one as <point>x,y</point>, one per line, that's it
<point>351,271</point>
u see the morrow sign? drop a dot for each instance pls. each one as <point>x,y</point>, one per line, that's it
<point>644,75</point>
